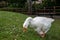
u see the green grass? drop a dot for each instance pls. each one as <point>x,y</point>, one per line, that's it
<point>11,28</point>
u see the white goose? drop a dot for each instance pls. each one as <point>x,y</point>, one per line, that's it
<point>40,24</point>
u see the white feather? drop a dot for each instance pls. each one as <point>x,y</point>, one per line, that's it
<point>39,23</point>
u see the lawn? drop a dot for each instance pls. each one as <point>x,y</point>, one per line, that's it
<point>11,28</point>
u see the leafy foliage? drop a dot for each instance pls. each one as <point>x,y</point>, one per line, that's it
<point>17,3</point>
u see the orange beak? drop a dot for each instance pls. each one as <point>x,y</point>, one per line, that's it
<point>24,29</point>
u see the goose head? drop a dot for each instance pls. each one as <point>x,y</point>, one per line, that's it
<point>26,24</point>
